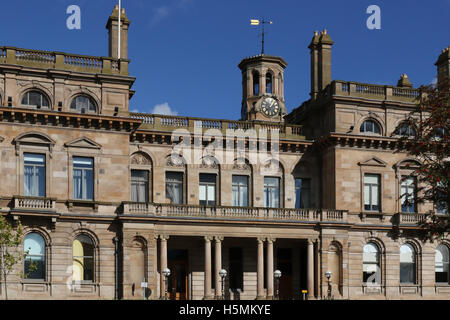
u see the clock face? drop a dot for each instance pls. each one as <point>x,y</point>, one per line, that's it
<point>270,107</point>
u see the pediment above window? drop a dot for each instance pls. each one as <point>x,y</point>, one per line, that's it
<point>374,162</point>
<point>33,139</point>
<point>408,164</point>
<point>84,143</point>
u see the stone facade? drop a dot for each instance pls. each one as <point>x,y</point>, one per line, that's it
<point>132,241</point>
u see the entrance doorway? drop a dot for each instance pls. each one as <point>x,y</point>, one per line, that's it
<point>284,264</point>
<point>179,269</point>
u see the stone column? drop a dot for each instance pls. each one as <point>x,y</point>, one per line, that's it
<point>207,281</point>
<point>163,264</point>
<point>310,270</point>
<point>270,268</point>
<point>218,266</point>
<point>260,269</point>
<point>317,269</point>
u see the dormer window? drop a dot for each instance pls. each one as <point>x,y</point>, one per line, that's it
<point>370,126</point>
<point>35,99</point>
<point>83,104</point>
<point>268,82</point>
<point>255,83</point>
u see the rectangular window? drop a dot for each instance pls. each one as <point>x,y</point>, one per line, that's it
<point>302,193</point>
<point>408,194</point>
<point>240,191</point>
<point>271,192</point>
<point>83,178</point>
<point>139,185</point>
<point>207,189</point>
<point>34,175</point>
<point>372,192</point>
<point>236,268</point>
<point>441,204</point>
<point>174,187</point>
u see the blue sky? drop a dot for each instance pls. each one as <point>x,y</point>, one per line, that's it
<point>185,52</point>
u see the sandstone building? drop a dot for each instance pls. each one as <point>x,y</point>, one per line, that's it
<point>110,198</point>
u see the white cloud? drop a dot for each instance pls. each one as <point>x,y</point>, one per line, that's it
<point>164,11</point>
<point>165,109</point>
<point>434,81</point>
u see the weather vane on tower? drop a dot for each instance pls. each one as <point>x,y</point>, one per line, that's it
<point>262,22</point>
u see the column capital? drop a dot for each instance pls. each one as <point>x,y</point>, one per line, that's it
<point>271,240</point>
<point>208,238</point>
<point>261,239</point>
<point>164,236</point>
<point>218,238</point>
<point>311,241</point>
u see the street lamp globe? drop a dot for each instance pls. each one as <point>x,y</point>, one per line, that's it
<point>166,272</point>
<point>328,274</point>
<point>223,273</point>
<point>277,274</point>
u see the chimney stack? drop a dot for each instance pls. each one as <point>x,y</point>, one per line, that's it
<point>443,66</point>
<point>325,44</point>
<point>404,82</point>
<point>113,32</point>
<point>320,61</point>
<point>314,48</point>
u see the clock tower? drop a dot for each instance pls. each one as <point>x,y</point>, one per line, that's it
<point>262,88</point>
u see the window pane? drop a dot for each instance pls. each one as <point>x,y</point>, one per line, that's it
<point>211,193</point>
<point>202,193</point>
<point>174,187</point>
<point>35,244</point>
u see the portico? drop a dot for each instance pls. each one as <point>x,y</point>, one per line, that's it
<point>250,263</point>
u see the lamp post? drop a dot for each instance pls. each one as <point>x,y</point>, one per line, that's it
<point>328,274</point>
<point>277,275</point>
<point>223,274</point>
<point>166,274</point>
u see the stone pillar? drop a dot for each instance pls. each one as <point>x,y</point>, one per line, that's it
<point>218,266</point>
<point>260,269</point>
<point>270,268</point>
<point>207,281</point>
<point>317,269</point>
<point>163,264</point>
<point>310,270</point>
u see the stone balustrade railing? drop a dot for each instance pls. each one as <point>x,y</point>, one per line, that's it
<point>34,203</point>
<point>171,210</point>
<point>63,61</point>
<point>412,218</point>
<point>373,91</point>
<point>191,124</point>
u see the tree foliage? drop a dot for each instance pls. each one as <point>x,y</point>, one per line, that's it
<point>426,139</point>
<point>10,241</point>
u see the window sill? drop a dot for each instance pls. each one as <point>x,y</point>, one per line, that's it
<point>372,214</point>
<point>34,281</point>
<point>79,203</point>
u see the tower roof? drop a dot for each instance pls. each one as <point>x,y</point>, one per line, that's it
<point>262,58</point>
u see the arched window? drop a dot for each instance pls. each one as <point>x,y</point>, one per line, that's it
<point>405,129</point>
<point>371,264</point>
<point>370,126</point>
<point>34,262</point>
<point>36,99</point>
<point>407,264</point>
<point>441,264</point>
<point>83,104</point>
<point>83,258</point>
<point>255,83</point>
<point>268,82</point>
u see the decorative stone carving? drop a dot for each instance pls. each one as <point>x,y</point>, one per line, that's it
<point>209,162</point>
<point>140,159</point>
<point>175,160</point>
<point>241,166</point>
